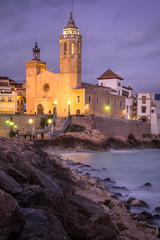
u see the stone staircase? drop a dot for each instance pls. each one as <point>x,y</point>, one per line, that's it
<point>58,126</point>
<point>58,123</point>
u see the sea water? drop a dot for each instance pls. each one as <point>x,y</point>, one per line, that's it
<point>128,168</point>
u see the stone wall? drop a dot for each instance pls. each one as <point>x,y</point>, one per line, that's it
<point>21,121</point>
<point>110,127</point>
<point>146,128</point>
<point>113,127</point>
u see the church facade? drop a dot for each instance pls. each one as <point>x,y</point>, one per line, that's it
<point>47,91</point>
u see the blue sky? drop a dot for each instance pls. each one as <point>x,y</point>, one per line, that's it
<point>123,35</point>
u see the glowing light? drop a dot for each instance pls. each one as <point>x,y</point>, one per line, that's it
<point>30,121</point>
<point>69,102</point>
<point>72,48</point>
<point>49,121</point>
<point>15,126</point>
<point>107,108</point>
<point>7,121</point>
<point>55,102</point>
<point>11,123</point>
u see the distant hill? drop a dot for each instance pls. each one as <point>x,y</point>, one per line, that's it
<point>157,96</point>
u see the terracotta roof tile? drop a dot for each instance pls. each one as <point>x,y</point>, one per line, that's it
<point>109,75</point>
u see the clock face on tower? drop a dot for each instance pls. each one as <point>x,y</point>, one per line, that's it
<point>31,72</point>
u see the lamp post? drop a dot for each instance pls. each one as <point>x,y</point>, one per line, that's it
<point>55,105</point>
<point>49,122</point>
<point>11,124</point>
<point>69,103</point>
<point>30,123</point>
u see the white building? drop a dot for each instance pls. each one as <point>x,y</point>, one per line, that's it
<point>113,81</point>
<point>148,110</point>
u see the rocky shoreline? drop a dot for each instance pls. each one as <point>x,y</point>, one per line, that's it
<point>94,140</point>
<point>41,198</point>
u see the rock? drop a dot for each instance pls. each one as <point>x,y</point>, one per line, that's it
<point>8,184</point>
<point>18,176</point>
<point>139,203</point>
<point>133,202</point>
<point>11,219</point>
<point>85,206</point>
<point>146,186</point>
<point>56,202</point>
<point>157,209</point>
<point>42,225</point>
<point>107,180</point>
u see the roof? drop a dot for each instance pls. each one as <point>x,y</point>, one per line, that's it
<point>109,75</point>
<point>71,23</point>
<point>129,88</point>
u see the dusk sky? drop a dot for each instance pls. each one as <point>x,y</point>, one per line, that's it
<point>123,35</point>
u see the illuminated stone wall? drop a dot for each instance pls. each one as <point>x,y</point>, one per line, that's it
<point>102,107</point>
<point>21,121</point>
<point>113,127</point>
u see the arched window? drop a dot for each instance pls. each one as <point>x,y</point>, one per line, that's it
<point>40,109</point>
<point>78,112</point>
<point>78,98</point>
<point>79,48</point>
<point>65,48</point>
<point>72,48</point>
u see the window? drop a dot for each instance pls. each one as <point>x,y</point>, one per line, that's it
<point>97,100</point>
<point>143,99</point>
<point>101,84</point>
<point>46,87</point>
<point>143,109</point>
<point>79,48</point>
<point>72,48</point>
<point>65,48</point>
<point>118,92</point>
<point>120,104</point>
<point>21,102</point>
<point>78,98</point>
<point>152,111</point>
<point>17,102</point>
<point>1,99</point>
<point>115,103</point>
<point>89,99</point>
<point>108,101</point>
<point>119,84</point>
<point>9,99</point>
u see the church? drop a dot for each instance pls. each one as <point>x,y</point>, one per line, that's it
<point>47,92</point>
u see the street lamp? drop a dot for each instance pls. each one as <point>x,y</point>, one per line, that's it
<point>30,122</point>
<point>107,108</point>
<point>49,121</point>
<point>11,123</point>
<point>69,103</point>
<point>55,104</point>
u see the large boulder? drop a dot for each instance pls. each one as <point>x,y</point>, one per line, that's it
<point>12,219</point>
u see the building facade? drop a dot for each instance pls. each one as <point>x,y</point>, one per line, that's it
<point>8,98</point>
<point>148,110</point>
<point>114,82</point>
<point>47,91</point>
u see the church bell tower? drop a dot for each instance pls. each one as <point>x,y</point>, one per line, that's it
<point>70,53</point>
<point>33,68</point>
